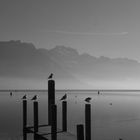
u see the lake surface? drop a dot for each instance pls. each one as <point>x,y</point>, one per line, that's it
<point>114,114</point>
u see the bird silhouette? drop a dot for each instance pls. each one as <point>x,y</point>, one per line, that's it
<point>63,97</point>
<point>34,98</point>
<point>24,97</point>
<point>50,76</point>
<point>88,99</point>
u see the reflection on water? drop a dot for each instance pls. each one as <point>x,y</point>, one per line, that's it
<point>114,115</point>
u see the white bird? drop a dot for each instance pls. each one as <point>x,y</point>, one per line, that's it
<point>50,76</point>
<point>88,99</point>
<point>24,97</point>
<point>63,97</point>
<point>34,98</point>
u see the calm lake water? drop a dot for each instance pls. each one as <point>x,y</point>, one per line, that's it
<point>114,114</point>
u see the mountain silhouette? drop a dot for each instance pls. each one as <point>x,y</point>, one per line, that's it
<point>24,60</point>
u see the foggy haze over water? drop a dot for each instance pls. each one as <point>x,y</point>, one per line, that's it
<point>86,45</point>
<point>23,66</point>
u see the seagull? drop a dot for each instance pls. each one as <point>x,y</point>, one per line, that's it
<point>24,97</point>
<point>50,76</point>
<point>34,98</point>
<point>88,99</point>
<point>63,97</point>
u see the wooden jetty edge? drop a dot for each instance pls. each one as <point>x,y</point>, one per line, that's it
<point>52,132</point>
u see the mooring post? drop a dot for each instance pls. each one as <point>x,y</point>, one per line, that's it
<point>51,98</point>
<point>24,119</point>
<point>88,121</point>
<point>80,132</point>
<point>54,122</point>
<point>24,114</point>
<point>64,116</point>
<point>35,108</point>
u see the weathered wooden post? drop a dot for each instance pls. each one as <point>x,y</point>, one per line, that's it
<point>51,98</point>
<point>80,132</point>
<point>24,119</point>
<point>64,116</point>
<point>54,122</point>
<point>35,107</point>
<point>88,121</point>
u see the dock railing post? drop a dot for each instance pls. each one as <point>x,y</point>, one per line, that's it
<point>24,119</point>
<point>35,107</point>
<point>88,121</point>
<point>64,116</point>
<point>54,122</point>
<point>51,98</point>
<point>80,132</point>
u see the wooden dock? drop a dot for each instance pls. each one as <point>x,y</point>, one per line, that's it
<point>47,136</point>
<point>50,131</point>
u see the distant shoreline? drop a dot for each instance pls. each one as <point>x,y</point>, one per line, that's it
<point>95,90</point>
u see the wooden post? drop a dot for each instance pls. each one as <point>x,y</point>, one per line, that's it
<point>24,135</point>
<point>24,114</point>
<point>54,122</point>
<point>88,121</point>
<point>24,119</point>
<point>64,116</point>
<point>51,98</point>
<point>80,132</point>
<point>35,106</point>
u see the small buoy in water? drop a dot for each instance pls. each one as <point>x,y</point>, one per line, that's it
<point>11,93</point>
<point>110,103</point>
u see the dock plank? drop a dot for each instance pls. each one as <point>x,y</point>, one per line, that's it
<point>46,133</point>
<point>64,136</point>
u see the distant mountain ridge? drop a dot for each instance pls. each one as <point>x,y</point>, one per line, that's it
<point>19,59</point>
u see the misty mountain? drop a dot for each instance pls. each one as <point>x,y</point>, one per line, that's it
<point>24,60</point>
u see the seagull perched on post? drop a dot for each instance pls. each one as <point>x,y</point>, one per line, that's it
<point>88,99</point>
<point>24,97</point>
<point>63,97</point>
<point>34,98</point>
<point>50,76</point>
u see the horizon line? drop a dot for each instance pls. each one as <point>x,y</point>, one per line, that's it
<point>109,90</point>
<point>87,33</point>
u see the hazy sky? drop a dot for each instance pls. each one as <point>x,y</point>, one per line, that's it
<point>99,27</point>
